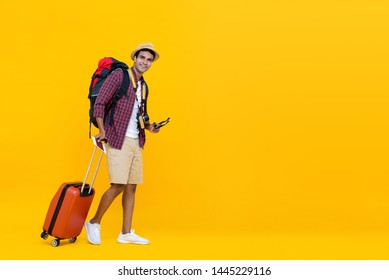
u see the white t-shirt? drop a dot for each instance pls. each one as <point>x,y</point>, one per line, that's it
<point>132,130</point>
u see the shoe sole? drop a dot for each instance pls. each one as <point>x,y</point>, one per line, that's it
<point>129,242</point>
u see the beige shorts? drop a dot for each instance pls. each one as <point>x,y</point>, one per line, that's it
<point>125,166</point>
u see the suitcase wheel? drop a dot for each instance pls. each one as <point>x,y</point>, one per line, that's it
<point>55,242</point>
<point>44,235</point>
<point>73,239</point>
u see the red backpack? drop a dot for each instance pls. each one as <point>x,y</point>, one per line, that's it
<point>105,67</point>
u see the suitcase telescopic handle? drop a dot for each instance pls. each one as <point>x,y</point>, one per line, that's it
<point>89,168</point>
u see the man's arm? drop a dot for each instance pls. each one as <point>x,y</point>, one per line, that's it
<point>106,93</point>
<point>101,136</point>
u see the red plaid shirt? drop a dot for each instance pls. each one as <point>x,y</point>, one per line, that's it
<point>116,132</point>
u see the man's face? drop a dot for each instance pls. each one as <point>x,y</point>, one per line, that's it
<point>143,61</point>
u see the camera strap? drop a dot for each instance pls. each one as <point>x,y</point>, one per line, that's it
<point>144,91</point>
<point>142,107</point>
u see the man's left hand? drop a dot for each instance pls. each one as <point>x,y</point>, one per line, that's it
<point>153,128</point>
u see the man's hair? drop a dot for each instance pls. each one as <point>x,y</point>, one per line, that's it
<point>148,50</point>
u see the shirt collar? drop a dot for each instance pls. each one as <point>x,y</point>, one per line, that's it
<point>136,78</point>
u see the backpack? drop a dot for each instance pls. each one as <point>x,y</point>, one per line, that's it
<point>105,66</point>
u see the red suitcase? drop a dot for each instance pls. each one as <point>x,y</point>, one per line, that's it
<point>69,208</point>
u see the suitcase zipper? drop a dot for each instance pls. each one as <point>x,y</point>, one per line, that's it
<point>58,207</point>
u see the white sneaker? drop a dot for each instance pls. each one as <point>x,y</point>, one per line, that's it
<point>93,233</point>
<point>132,238</point>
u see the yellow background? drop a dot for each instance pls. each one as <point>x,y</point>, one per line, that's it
<point>278,141</point>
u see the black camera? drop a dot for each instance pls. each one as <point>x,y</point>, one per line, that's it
<point>143,120</point>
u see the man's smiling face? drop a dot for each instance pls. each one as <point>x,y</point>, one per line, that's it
<point>143,61</point>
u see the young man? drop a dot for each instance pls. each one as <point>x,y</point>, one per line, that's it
<point>125,140</point>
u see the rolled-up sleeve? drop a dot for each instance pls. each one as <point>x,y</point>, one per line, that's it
<point>107,91</point>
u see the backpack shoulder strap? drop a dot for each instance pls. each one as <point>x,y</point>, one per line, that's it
<point>125,82</point>
<point>119,93</point>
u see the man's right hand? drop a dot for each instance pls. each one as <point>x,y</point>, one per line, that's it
<point>101,137</point>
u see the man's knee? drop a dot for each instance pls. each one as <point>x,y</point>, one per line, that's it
<point>117,188</point>
<point>130,187</point>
